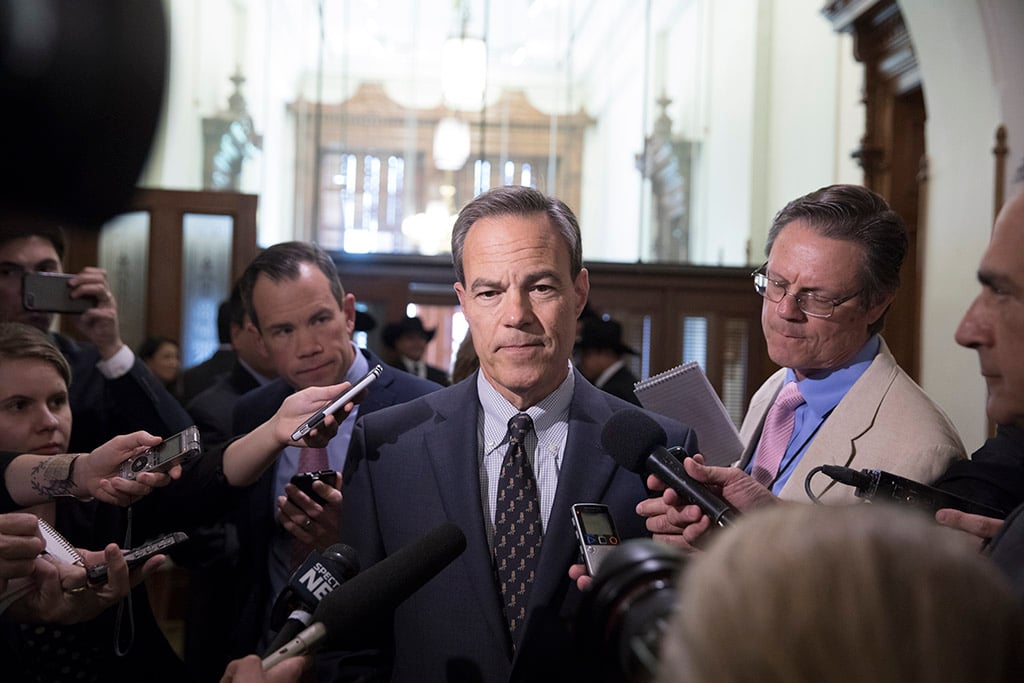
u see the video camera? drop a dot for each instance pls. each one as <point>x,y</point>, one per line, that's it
<point>621,619</point>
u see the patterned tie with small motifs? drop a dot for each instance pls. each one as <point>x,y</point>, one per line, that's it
<point>517,525</point>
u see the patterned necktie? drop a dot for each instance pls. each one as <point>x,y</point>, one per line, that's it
<point>310,460</point>
<point>517,525</point>
<point>778,429</point>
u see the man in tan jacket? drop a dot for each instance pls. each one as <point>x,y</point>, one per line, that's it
<point>833,265</point>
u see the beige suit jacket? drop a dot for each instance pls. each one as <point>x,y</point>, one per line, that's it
<point>885,422</point>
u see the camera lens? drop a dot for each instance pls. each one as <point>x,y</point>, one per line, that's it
<point>623,616</point>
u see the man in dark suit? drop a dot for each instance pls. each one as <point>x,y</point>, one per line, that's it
<point>112,392</point>
<point>452,456</point>
<point>212,553</point>
<point>600,356</point>
<point>251,367</point>
<point>406,341</point>
<point>305,320</point>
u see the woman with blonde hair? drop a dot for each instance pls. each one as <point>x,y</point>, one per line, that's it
<point>798,594</point>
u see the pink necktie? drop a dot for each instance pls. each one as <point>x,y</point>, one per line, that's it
<point>312,459</point>
<point>778,429</point>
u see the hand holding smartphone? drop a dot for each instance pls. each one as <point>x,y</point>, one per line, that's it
<point>304,482</point>
<point>317,418</point>
<point>595,532</point>
<point>50,292</point>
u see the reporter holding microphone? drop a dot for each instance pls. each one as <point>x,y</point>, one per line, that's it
<point>834,257</point>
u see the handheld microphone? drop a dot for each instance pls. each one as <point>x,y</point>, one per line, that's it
<point>341,616</point>
<point>880,485</point>
<point>637,442</point>
<point>317,576</point>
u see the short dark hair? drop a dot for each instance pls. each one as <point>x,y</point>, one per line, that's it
<point>281,262</point>
<point>224,322</point>
<point>12,229</point>
<point>517,200</point>
<point>235,308</point>
<point>853,213</point>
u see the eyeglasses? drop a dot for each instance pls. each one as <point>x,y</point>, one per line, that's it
<point>812,305</point>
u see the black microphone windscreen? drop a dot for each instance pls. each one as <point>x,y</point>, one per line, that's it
<point>630,436</point>
<point>344,558</point>
<point>378,590</point>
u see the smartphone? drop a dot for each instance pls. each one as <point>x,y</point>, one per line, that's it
<point>317,418</point>
<point>50,292</point>
<point>177,449</point>
<point>304,482</point>
<point>595,531</point>
<point>97,573</point>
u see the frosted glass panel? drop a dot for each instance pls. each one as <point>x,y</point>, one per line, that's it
<point>206,252</point>
<point>695,341</point>
<point>123,249</point>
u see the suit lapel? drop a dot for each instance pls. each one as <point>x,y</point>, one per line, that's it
<point>836,442</point>
<point>584,477</point>
<point>457,473</point>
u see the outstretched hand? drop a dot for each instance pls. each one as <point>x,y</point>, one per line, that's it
<point>57,592</point>
<point>675,521</point>
<point>98,472</point>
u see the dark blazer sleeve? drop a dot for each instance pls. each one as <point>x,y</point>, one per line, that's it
<point>994,475</point>
<point>213,408</point>
<point>104,408</point>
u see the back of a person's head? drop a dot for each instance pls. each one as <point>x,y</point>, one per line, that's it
<point>804,594</point>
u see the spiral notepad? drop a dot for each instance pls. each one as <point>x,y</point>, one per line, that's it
<point>685,394</point>
<point>58,546</point>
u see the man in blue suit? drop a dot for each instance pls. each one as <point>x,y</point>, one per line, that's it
<point>305,320</point>
<point>445,458</point>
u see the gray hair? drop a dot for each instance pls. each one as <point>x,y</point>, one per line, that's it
<point>517,200</point>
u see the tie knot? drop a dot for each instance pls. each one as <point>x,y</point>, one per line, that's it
<point>790,397</point>
<point>518,427</point>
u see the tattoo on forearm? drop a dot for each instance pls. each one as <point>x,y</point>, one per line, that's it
<point>50,477</point>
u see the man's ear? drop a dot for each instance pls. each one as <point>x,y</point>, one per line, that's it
<point>581,285</point>
<point>348,307</point>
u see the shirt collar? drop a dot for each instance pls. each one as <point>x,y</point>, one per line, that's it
<point>822,394</point>
<point>497,411</point>
<point>360,366</point>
